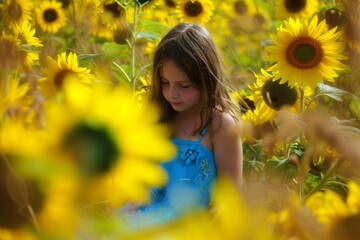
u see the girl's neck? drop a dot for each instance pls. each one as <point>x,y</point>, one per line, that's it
<point>185,126</point>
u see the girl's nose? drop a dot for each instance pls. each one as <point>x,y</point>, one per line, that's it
<point>173,93</point>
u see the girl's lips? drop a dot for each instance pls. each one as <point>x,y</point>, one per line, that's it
<point>175,103</point>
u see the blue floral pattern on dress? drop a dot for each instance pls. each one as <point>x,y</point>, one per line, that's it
<point>191,153</point>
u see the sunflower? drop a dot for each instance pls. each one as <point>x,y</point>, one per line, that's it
<point>334,16</point>
<point>270,96</point>
<point>100,29</point>
<point>30,43</point>
<point>11,55</point>
<point>122,35</point>
<point>115,147</point>
<point>199,11</point>
<point>17,11</point>
<point>163,13</point>
<point>239,14</point>
<point>59,216</point>
<point>12,91</point>
<point>338,216</point>
<point>49,197</point>
<point>66,66</point>
<point>295,9</point>
<point>142,92</point>
<point>51,16</point>
<point>306,54</point>
<point>23,234</point>
<point>109,13</point>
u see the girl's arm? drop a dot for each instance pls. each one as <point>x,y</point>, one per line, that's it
<point>228,149</point>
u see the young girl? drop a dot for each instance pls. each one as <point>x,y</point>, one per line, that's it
<point>189,87</point>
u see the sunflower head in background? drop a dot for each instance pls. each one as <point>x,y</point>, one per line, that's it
<point>12,56</point>
<point>295,9</point>
<point>51,17</point>
<point>305,54</point>
<point>334,16</point>
<point>29,42</point>
<point>114,146</point>
<point>17,11</point>
<point>270,96</point>
<point>66,66</point>
<point>197,11</point>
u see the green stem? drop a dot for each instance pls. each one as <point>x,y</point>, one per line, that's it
<point>133,49</point>
<point>328,174</point>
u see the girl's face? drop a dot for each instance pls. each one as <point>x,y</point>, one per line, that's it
<point>178,90</point>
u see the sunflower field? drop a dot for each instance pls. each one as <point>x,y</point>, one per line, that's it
<point>76,143</point>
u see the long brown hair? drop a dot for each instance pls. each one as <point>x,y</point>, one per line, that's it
<point>193,50</point>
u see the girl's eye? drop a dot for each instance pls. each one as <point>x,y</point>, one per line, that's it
<point>164,82</point>
<point>185,86</point>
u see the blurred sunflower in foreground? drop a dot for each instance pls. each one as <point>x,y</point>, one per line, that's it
<point>306,53</point>
<point>218,222</point>
<point>15,101</point>
<point>324,215</point>
<point>115,147</point>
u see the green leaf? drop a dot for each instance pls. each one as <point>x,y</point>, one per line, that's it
<point>151,30</point>
<point>332,92</point>
<point>89,57</point>
<point>122,72</point>
<point>275,163</point>
<point>253,165</point>
<point>113,50</point>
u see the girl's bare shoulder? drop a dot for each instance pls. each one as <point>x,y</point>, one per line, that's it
<point>223,122</point>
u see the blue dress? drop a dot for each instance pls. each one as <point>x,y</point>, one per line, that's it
<point>191,174</point>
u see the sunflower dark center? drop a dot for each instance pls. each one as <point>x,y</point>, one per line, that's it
<point>60,77</point>
<point>334,17</point>
<point>93,148</point>
<point>170,3</point>
<point>15,10</point>
<point>193,9</point>
<point>122,35</point>
<point>259,19</point>
<point>240,7</point>
<point>50,15</point>
<point>304,53</point>
<point>247,105</point>
<point>294,6</point>
<point>277,95</point>
<point>115,9</point>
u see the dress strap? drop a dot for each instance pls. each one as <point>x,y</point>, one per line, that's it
<point>202,135</point>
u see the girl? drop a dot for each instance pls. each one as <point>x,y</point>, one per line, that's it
<point>189,87</point>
